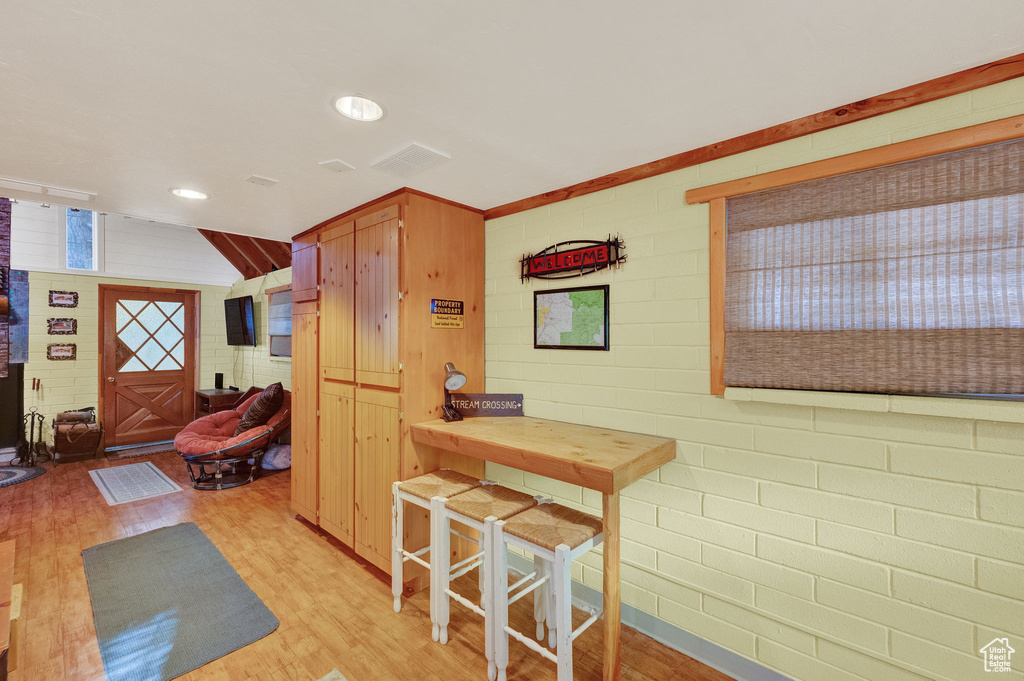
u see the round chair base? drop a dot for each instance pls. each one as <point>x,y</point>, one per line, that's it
<point>225,473</point>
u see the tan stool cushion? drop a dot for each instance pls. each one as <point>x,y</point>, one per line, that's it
<point>549,525</point>
<point>491,500</point>
<point>442,483</point>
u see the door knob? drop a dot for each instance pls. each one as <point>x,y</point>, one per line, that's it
<point>110,379</point>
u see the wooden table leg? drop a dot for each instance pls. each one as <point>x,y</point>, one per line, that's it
<point>612,603</point>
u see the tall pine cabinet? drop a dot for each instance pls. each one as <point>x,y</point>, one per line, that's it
<point>367,361</point>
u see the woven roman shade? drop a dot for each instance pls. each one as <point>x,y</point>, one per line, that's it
<point>907,278</point>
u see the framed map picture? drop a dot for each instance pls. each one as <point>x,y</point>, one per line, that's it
<point>571,318</point>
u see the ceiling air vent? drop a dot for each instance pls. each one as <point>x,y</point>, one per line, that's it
<point>336,165</point>
<point>261,181</point>
<point>412,159</point>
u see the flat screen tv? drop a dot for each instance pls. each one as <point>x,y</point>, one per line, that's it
<point>239,320</point>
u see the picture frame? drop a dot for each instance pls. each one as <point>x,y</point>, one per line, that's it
<point>572,318</point>
<point>63,299</point>
<point>61,326</point>
<point>61,351</point>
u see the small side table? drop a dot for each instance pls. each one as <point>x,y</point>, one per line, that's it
<point>214,400</point>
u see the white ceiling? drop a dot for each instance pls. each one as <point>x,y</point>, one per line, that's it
<point>126,100</point>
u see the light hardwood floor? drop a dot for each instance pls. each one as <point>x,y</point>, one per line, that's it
<point>335,612</point>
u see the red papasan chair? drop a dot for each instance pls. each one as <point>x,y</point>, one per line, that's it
<point>210,442</point>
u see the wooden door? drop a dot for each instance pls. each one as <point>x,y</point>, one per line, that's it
<point>378,452</point>
<point>304,414</point>
<point>337,302</point>
<point>377,290</point>
<point>148,362</point>
<point>304,269</point>
<point>337,460</point>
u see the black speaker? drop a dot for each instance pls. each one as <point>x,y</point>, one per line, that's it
<point>218,381</point>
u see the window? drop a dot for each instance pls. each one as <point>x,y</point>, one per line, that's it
<point>901,278</point>
<point>80,239</point>
<point>279,321</point>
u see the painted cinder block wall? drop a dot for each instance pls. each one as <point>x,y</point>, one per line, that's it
<point>71,384</point>
<point>843,537</point>
<point>254,366</point>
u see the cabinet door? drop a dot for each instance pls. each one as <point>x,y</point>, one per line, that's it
<point>304,405</point>
<point>337,459</point>
<point>377,302</point>
<point>337,302</point>
<point>377,463</point>
<point>304,269</point>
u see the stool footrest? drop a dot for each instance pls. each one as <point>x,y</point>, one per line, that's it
<point>475,556</point>
<point>414,557</point>
<point>522,581</point>
<point>531,644</point>
<point>466,537</point>
<point>477,562</point>
<point>466,602</point>
<point>536,584</point>
<point>594,614</point>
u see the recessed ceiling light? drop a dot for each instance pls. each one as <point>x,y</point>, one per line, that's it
<point>358,108</point>
<point>189,194</point>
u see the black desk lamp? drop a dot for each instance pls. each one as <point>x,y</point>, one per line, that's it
<point>453,380</point>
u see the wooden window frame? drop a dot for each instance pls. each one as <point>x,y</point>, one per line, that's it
<point>269,292</point>
<point>993,132</point>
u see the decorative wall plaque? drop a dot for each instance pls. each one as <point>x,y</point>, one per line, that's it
<point>572,259</point>
<point>61,326</point>
<point>61,351</point>
<point>488,404</point>
<point>63,299</point>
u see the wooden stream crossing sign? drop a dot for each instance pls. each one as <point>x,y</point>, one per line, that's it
<point>488,404</point>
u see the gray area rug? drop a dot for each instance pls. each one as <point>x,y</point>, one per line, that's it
<point>132,482</point>
<point>167,602</point>
<point>12,475</point>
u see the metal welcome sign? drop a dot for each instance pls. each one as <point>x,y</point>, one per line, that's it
<point>572,259</point>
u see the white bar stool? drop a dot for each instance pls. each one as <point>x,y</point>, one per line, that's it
<point>420,490</point>
<point>478,508</point>
<point>556,535</point>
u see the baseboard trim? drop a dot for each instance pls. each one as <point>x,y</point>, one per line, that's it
<point>713,655</point>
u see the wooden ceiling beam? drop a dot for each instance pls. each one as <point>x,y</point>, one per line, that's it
<point>228,250</point>
<point>278,251</point>
<point>252,257</point>
<point>257,246</point>
<point>251,252</point>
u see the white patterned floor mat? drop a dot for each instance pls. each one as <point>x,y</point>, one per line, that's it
<point>132,482</point>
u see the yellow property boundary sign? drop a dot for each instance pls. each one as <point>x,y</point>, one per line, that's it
<point>446,314</point>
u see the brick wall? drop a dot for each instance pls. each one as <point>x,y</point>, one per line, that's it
<point>73,384</point>
<point>842,538</point>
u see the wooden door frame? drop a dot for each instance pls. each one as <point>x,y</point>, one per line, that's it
<point>101,293</point>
